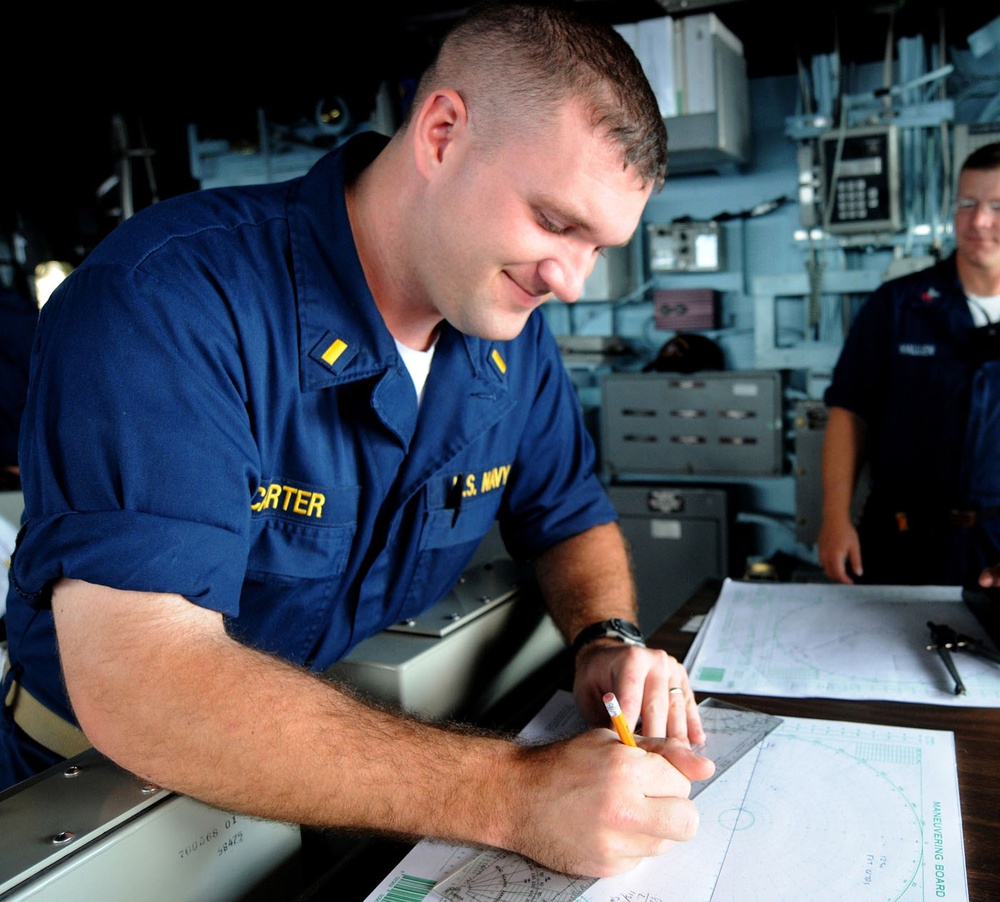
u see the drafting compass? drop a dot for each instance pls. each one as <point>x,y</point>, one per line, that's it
<point>944,640</point>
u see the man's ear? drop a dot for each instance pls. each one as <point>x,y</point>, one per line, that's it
<point>440,123</point>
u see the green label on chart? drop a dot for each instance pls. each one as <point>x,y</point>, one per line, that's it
<point>409,889</point>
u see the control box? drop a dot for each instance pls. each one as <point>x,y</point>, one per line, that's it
<point>706,423</point>
<point>490,633</point>
<point>87,829</point>
<point>685,247</point>
<point>678,536</point>
<point>860,184</point>
<point>685,309</point>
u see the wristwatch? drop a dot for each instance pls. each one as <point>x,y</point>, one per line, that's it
<point>616,628</point>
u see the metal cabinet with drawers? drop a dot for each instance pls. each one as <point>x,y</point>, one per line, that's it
<point>705,424</point>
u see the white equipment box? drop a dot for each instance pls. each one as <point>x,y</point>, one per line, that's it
<point>88,830</point>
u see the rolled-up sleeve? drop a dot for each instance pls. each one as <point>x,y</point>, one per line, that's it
<point>137,455</point>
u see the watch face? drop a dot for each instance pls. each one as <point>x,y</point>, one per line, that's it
<point>616,628</point>
<point>625,627</point>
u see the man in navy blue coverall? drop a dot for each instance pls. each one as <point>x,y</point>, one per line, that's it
<point>533,142</point>
<point>916,390</point>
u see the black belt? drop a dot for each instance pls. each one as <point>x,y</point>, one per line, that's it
<point>971,518</point>
<point>915,519</point>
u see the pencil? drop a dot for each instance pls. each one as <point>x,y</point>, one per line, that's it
<point>618,719</point>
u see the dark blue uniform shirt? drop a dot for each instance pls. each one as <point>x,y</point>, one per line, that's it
<point>217,410</point>
<point>909,368</point>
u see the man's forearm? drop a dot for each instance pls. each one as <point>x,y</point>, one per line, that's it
<point>843,444</point>
<point>587,578</point>
<point>161,689</point>
<point>200,714</point>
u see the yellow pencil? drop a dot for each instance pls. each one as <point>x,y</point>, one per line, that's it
<point>618,719</point>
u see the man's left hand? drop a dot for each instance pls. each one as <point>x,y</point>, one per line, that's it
<point>651,686</point>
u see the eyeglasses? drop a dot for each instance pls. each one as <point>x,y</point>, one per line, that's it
<point>970,205</point>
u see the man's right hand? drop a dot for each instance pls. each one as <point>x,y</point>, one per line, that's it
<point>596,807</point>
<point>839,546</point>
<point>990,577</point>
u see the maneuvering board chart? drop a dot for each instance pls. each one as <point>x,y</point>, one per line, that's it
<point>798,640</point>
<point>818,810</point>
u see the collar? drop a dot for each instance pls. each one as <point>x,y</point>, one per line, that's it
<point>343,337</point>
<point>936,286</point>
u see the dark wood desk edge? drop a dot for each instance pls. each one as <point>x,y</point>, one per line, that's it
<point>976,731</point>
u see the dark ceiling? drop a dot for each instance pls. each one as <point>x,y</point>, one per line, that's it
<point>163,70</point>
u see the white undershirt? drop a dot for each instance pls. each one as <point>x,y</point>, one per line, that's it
<point>419,365</point>
<point>984,310</point>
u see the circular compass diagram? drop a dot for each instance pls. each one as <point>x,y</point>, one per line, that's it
<point>497,876</point>
<point>761,817</point>
<point>857,634</point>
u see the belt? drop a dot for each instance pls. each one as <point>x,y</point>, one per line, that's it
<point>905,520</point>
<point>971,518</point>
<point>41,724</point>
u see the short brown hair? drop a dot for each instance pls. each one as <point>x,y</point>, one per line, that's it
<point>516,63</point>
<point>985,157</point>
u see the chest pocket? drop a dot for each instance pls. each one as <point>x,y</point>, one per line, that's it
<point>302,533</point>
<point>464,510</point>
<point>446,527</point>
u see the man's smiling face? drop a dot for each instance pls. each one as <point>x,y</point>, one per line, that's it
<point>513,226</point>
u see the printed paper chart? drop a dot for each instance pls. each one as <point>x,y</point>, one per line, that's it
<point>850,642</point>
<point>826,810</point>
<point>822,810</point>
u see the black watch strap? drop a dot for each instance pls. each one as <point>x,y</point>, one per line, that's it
<point>616,628</point>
